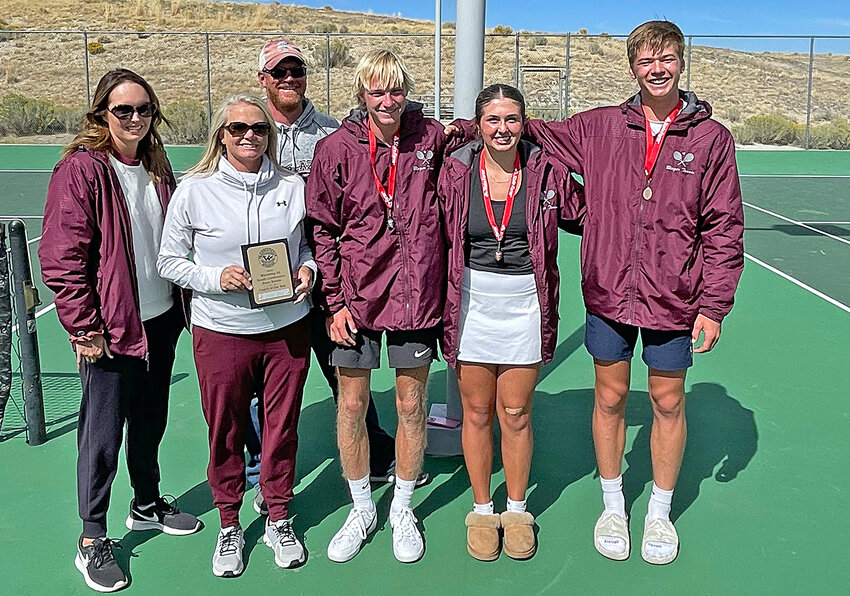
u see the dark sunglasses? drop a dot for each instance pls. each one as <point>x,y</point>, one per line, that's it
<point>125,112</point>
<point>240,129</point>
<point>281,73</point>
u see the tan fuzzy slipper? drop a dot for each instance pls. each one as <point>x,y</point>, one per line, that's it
<point>482,535</point>
<point>520,542</point>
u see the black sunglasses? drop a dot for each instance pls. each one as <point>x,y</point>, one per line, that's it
<point>240,129</point>
<point>281,73</point>
<point>125,112</point>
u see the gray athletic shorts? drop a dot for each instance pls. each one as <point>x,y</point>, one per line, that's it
<point>406,349</point>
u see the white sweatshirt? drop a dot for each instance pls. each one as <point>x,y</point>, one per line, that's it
<point>155,297</point>
<point>211,217</point>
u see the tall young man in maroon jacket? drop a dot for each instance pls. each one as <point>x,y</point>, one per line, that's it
<point>662,254</point>
<point>375,218</point>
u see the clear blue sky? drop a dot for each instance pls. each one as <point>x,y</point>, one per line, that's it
<point>721,17</point>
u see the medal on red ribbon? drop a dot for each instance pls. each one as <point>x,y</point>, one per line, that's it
<point>388,193</point>
<point>498,231</point>
<point>653,147</point>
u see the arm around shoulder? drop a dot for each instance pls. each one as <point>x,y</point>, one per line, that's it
<point>721,229</point>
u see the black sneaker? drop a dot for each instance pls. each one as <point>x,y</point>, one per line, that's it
<point>388,476</point>
<point>162,516</point>
<point>97,564</point>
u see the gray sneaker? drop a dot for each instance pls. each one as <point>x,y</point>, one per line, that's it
<point>260,505</point>
<point>288,551</point>
<point>227,557</point>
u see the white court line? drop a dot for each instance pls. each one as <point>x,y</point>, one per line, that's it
<point>38,313</point>
<point>792,175</point>
<point>797,223</point>
<point>796,281</point>
<point>36,239</point>
<point>21,217</point>
<point>826,223</point>
<point>26,171</point>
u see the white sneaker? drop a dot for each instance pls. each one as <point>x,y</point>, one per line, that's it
<point>347,542</point>
<point>227,557</point>
<point>660,541</point>
<point>611,536</point>
<point>288,551</point>
<point>408,545</point>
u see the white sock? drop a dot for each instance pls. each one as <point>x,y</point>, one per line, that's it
<point>515,506</point>
<point>659,503</point>
<point>612,495</point>
<point>402,496</point>
<point>361,493</point>
<point>485,509</point>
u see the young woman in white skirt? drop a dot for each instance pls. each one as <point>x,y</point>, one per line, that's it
<point>503,201</point>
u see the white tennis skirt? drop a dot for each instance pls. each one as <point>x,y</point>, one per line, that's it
<point>499,319</point>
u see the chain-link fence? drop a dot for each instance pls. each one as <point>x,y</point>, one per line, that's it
<point>788,90</point>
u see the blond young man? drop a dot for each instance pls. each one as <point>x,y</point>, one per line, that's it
<point>372,202</point>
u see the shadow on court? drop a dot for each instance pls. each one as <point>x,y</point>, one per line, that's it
<point>721,432</point>
<point>722,440</point>
<point>797,230</point>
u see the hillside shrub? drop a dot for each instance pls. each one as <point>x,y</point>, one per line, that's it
<point>95,48</point>
<point>340,55</point>
<point>189,124</point>
<point>769,129</point>
<point>21,115</point>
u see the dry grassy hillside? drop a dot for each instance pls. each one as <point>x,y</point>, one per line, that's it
<point>52,66</point>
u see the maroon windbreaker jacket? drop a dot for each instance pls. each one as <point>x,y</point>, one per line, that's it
<point>553,199</point>
<point>86,252</point>
<point>389,280</point>
<point>654,263</point>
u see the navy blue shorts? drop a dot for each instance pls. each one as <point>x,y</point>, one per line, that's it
<point>615,342</point>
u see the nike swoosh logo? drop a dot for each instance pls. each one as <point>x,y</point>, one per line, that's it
<point>147,516</point>
<point>424,352</point>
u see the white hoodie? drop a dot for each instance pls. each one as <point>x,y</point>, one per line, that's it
<point>209,218</point>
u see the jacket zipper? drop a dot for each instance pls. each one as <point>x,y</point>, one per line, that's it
<point>636,252</point>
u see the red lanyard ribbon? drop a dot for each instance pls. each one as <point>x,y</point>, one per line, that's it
<point>388,193</point>
<point>499,231</point>
<point>653,142</point>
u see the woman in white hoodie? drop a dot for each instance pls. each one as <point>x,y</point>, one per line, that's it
<point>238,195</point>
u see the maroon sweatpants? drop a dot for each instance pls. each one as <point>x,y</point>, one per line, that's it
<point>230,369</point>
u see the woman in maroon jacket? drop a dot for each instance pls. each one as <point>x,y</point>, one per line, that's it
<point>502,201</point>
<point>103,220</point>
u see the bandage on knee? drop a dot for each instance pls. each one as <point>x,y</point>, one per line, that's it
<point>515,411</point>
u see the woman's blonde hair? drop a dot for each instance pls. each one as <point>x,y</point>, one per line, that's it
<point>383,67</point>
<point>215,148</point>
<point>95,132</point>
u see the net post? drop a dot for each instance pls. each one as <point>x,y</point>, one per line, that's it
<point>26,299</point>
<point>5,327</point>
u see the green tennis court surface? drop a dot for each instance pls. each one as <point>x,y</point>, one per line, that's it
<point>759,506</point>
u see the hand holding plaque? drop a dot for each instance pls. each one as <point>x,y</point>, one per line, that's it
<point>268,264</point>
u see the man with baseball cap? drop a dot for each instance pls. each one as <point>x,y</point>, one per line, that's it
<point>282,73</point>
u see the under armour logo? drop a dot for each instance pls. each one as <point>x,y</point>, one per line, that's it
<point>281,202</point>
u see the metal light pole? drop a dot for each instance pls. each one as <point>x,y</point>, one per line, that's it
<point>445,420</point>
